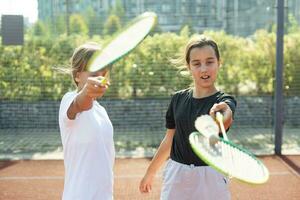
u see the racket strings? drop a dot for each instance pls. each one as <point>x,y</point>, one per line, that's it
<point>231,160</point>
<point>241,164</point>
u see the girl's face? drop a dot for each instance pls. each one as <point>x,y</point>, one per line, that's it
<point>204,66</point>
<point>81,77</point>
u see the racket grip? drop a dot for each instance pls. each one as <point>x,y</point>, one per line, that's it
<point>219,117</point>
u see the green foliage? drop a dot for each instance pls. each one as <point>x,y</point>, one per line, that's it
<point>157,29</point>
<point>59,26</point>
<point>261,62</point>
<point>292,64</point>
<point>112,25</point>
<point>95,22</point>
<point>147,71</point>
<point>29,72</point>
<point>187,27</point>
<point>185,31</point>
<point>118,10</point>
<point>292,25</point>
<point>40,29</point>
<point>78,25</point>
<point>232,74</point>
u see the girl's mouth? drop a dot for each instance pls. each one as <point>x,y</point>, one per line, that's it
<point>205,77</point>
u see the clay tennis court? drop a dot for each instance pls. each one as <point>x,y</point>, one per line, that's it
<point>43,180</point>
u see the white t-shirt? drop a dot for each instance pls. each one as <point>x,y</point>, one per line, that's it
<point>88,152</point>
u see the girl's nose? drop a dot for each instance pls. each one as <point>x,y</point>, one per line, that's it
<point>203,68</point>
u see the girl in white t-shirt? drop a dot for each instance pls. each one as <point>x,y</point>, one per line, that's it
<point>86,133</point>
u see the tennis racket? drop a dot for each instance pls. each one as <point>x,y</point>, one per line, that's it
<point>124,42</point>
<point>225,156</point>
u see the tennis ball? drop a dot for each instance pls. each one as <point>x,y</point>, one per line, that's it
<point>103,80</point>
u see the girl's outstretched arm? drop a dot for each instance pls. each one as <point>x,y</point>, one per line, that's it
<point>92,89</point>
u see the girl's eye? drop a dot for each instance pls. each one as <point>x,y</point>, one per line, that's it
<point>93,74</point>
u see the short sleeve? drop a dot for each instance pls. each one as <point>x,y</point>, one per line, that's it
<point>66,101</point>
<point>170,121</point>
<point>231,102</point>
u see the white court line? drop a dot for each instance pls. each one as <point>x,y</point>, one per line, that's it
<point>3,178</point>
<point>6,178</point>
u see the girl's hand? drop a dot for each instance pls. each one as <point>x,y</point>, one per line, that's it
<point>146,183</point>
<point>226,112</point>
<point>95,87</point>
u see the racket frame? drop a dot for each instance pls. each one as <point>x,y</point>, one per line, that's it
<point>208,162</point>
<point>134,21</point>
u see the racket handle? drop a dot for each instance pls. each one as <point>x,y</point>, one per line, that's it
<point>219,118</point>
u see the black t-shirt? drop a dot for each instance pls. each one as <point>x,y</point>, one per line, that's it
<point>181,115</point>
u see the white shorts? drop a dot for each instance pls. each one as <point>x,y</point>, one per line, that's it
<point>189,182</point>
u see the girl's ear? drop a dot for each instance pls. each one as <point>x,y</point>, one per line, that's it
<point>220,63</point>
<point>77,77</point>
<point>188,67</point>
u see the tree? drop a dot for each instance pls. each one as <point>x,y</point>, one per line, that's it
<point>187,25</point>
<point>292,25</point>
<point>185,31</point>
<point>247,66</point>
<point>95,22</point>
<point>40,29</point>
<point>118,10</point>
<point>78,25</point>
<point>291,64</point>
<point>112,25</point>
<point>60,26</point>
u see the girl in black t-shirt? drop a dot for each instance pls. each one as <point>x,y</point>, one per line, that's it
<point>185,175</point>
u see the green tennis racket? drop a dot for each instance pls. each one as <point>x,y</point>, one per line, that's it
<point>225,156</point>
<point>124,42</point>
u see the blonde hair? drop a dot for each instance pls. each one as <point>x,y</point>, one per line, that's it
<point>81,57</point>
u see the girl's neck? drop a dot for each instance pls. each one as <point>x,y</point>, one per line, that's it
<point>203,92</point>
